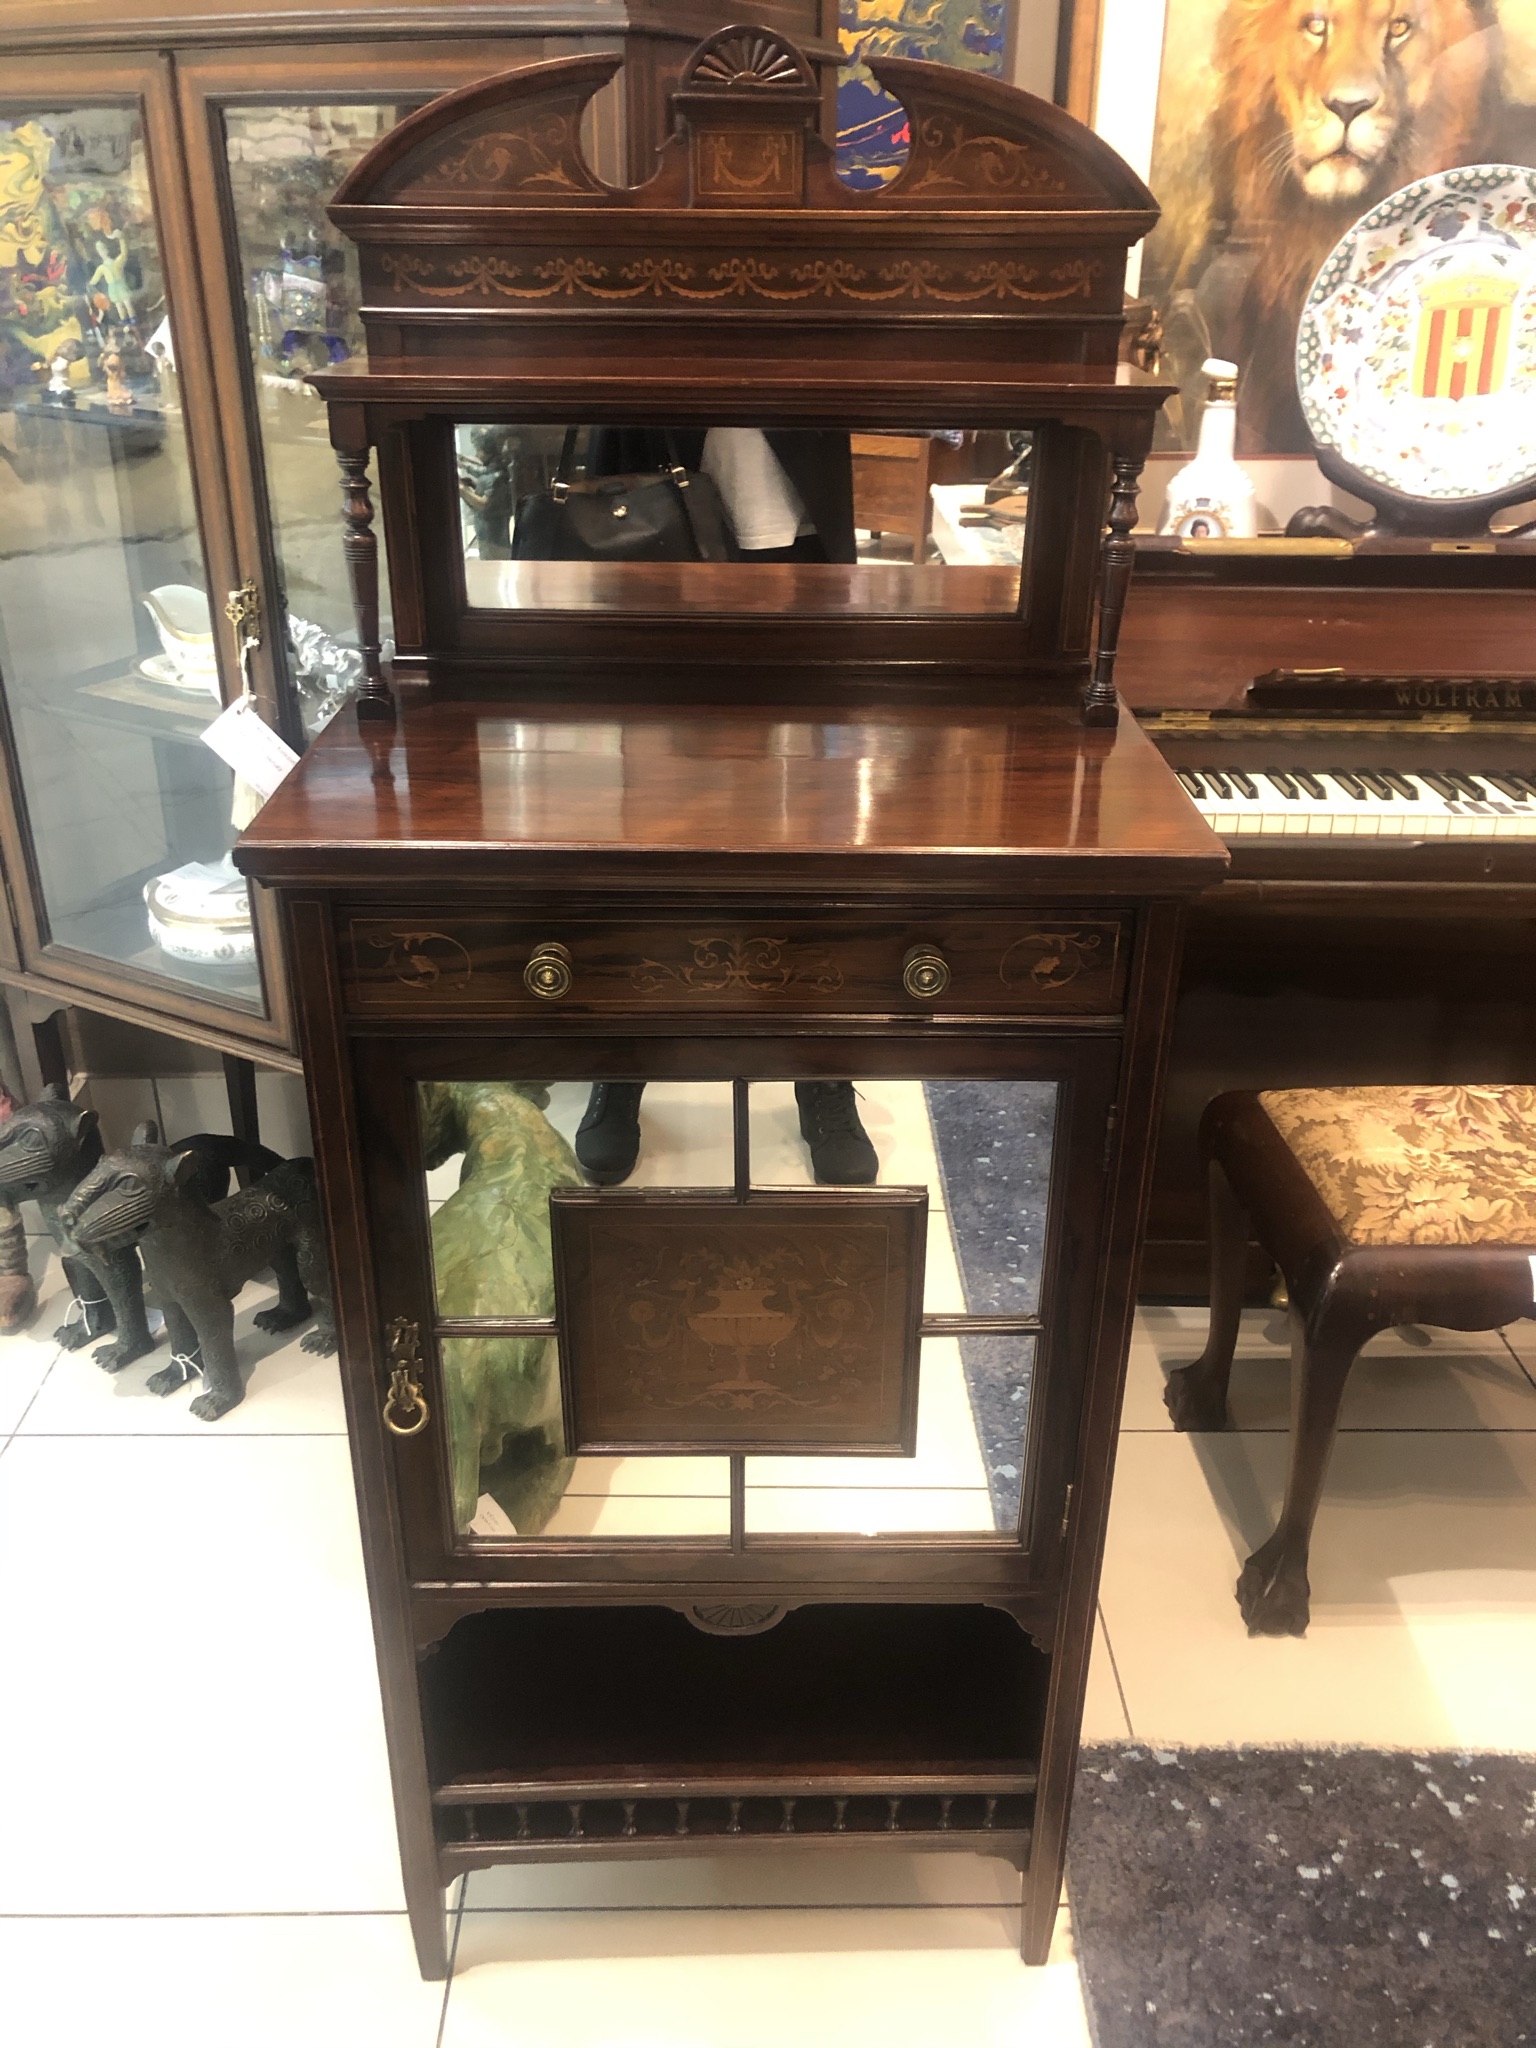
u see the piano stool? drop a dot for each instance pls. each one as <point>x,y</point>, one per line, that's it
<point>1380,1205</point>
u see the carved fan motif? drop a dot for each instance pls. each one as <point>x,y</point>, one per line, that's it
<point>749,1618</point>
<point>751,58</point>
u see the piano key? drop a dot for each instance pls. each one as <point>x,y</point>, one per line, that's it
<point>1414,808</point>
<point>1508,785</point>
<point>1351,785</point>
<point>1469,786</point>
<point>1218,781</point>
<point>1244,784</point>
<point>1278,779</point>
<point>1191,782</point>
<point>1519,775</point>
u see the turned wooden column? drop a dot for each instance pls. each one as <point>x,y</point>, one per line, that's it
<point>1117,558</point>
<point>374,699</point>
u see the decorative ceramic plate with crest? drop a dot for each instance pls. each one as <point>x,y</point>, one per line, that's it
<point>1416,356</point>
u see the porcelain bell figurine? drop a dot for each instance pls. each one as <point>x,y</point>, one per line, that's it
<point>1211,497</point>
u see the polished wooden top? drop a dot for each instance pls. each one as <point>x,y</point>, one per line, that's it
<point>896,801</point>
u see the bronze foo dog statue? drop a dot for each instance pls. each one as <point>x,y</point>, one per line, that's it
<point>46,1151</point>
<point>199,1254</point>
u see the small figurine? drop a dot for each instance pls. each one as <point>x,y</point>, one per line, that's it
<point>111,273</point>
<point>18,1293</point>
<point>65,357</point>
<point>199,1254</point>
<point>46,1151</point>
<point>18,1290</point>
<point>490,1252</point>
<point>113,365</point>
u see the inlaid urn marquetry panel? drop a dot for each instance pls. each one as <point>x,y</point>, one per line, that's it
<point>785,1324</point>
<point>1015,965</point>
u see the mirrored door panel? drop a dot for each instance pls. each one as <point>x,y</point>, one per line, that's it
<point>108,621</point>
<point>654,1274</point>
<point>493,1152</point>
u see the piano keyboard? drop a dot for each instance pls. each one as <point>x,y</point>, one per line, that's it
<point>1360,803</point>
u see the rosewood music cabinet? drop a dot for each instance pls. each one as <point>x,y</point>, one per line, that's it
<point>721,1510</point>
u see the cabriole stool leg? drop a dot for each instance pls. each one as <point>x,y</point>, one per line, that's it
<point>1196,1395</point>
<point>1273,1590</point>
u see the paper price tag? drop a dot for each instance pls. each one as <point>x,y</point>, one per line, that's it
<point>244,741</point>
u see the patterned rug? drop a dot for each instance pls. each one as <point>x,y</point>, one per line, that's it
<point>1229,1898</point>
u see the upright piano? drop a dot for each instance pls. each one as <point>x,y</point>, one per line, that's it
<point>1369,756</point>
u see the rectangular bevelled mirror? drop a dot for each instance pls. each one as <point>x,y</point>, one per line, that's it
<point>768,1339</point>
<point>742,518</point>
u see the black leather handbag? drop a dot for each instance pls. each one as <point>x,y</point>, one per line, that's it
<point>668,515</point>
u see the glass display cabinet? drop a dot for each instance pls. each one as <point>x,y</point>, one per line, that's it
<point>733,991</point>
<point>168,276</point>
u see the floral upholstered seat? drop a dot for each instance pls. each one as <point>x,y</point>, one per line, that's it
<point>1427,1165</point>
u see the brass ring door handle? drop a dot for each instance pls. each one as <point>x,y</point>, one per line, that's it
<point>924,973</point>
<point>548,973</point>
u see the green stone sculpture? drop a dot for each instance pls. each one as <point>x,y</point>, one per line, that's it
<point>490,1252</point>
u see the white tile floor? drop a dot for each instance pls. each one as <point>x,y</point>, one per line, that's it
<point>189,1704</point>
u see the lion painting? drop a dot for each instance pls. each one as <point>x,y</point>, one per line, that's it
<point>1319,108</point>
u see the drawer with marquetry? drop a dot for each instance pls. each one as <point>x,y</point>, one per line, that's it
<point>951,965</point>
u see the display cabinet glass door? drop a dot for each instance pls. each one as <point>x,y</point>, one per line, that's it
<point>110,618</point>
<point>780,1313</point>
<point>270,135</point>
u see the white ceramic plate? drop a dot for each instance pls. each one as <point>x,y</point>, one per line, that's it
<point>1416,355</point>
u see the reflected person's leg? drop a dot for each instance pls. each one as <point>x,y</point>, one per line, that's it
<point>608,1136</point>
<point>841,1154</point>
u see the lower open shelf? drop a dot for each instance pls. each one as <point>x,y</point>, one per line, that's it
<point>627,1730</point>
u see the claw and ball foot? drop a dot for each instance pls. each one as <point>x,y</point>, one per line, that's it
<point>1196,1395</point>
<point>1273,1591</point>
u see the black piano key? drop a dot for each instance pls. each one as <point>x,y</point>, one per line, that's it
<point>1507,785</point>
<point>1191,781</point>
<point>1442,785</point>
<point>1529,780</point>
<point>1278,779</point>
<point>1469,786</point>
<point>1244,784</point>
<point>1378,785</point>
<point>1311,784</point>
<point>1350,784</point>
<point>1217,780</point>
<point>1402,785</point>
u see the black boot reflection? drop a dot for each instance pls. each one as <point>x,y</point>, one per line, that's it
<point>608,1136</point>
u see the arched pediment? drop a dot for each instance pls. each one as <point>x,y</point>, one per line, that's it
<point>746,113</point>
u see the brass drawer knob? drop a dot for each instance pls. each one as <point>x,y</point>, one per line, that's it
<point>924,973</point>
<point>548,973</point>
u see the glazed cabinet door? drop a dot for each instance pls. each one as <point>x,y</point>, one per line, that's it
<point>115,568</point>
<point>825,1329</point>
<point>270,134</point>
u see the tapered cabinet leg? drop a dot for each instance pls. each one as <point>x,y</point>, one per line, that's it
<point>429,1928</point>
<point>1196,1395</point>
<point>1273,1591</point>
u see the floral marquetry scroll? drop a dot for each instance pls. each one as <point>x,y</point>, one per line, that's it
<point>785,1324</point>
